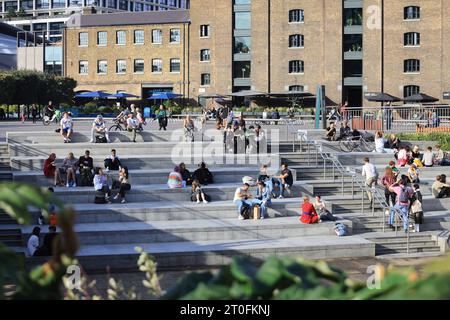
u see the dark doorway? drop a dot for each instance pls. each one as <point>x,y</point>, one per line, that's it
<point>353,95</point>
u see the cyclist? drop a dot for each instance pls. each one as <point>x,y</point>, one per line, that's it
<point>49,110</point>
<point>123,116</point>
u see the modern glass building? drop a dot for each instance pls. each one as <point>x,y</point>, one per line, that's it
<point>51,15</point>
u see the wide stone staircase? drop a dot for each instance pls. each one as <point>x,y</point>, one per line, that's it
<point>182,234</point>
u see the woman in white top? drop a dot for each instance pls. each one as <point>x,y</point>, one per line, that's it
<point>33,241</point>
<point>380,142</point>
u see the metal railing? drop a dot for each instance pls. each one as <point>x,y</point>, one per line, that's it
<point>404,118</point>
<point>356,179</point>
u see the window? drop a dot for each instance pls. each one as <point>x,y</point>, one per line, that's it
<point>353,17</point>
<point>296,41</point>
<point>83,39</point>
<point>83,67</point>
<point>296,88</point>
<point>157,66</point>
<point>242,69</point>
<point>157,36</point>
<point>243,20</point>
<point>175,65</point>
<point>205,55</point>
<point>412,39</point>
<point>138,66</point>
<point>412,13</point>
<point>102,38</point>
<point>121,66</point>
<point>121,37</point>
<point>410,90</point>
<point>204,31</point>
<point>242,44</point>
<point>138,36</point>
<point>296,16</point>
<point>205,79</point>
<point>412,66</point>
<point>102,67</point>
<point>296,66</point>
<point>175,35</point>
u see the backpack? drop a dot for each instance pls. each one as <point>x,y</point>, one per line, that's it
<point>404,195</point>
<point>100,139</point>
<point>245,211</point>
<point>340,229</point>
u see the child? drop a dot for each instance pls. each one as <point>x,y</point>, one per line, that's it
<point>197,192</point>
<point>416,208</point>
<point>51,212</point>
<point>413,174</point>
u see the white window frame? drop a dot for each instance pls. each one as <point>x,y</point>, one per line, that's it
<point>143,37</point>
<point>134,66</point>
<point>209,55</point>
<point>160,36</point>
<point>98,38</point>
<point>301,63</point>
<point>86,67</point>
<point>179,36</point>
<point>79,39</point>
<point>302,15</point>
<point>208,28</point>
<point>201,79</point>
<point>117,66</point>
<point>179,63</point>
<point>98,67</point>
<point>160,65</point>
<point>124,33</point>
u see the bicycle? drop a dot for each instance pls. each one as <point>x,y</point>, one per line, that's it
<point>56,118</point>
<point>350,144</point>
<point>117,126</point>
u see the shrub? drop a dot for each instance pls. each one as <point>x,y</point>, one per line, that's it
<point>442,138</point>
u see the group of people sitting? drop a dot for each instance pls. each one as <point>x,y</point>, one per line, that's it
<point>345,132</point>
<point>88,174</point>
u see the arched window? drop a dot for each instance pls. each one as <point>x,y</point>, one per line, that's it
<point>412,13</point>
<point>296,41</point>
<point>411,66</point>
<point>296,66</point>
<point>410,90</point>
<point>412,39</point>
<point>296,15</point>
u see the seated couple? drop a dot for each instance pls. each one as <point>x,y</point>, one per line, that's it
<point>244,198</point>
<point>284,180</point>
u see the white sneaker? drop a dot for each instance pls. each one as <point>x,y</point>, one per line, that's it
<point>240,217</point>
<point>91,141</point>
<point>280,197</point>
<point>204,201</point>
<point>116,197</point>
<point>198,201</point>
<point>67,185</point>
<point>40,222</point>
<point>123,201</point>
<point>74,184</point>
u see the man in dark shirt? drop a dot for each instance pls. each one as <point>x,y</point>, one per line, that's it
<point>203,175</point>
<point>113,161</point>
<point>86,167</point>
<point>344,131</point>
<point>284,180</point>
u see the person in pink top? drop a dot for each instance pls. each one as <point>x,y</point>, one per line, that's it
<point>404,195</point>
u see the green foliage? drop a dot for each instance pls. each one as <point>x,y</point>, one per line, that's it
<point>443,138</point>
<point>27,87</point>
<point>43,282</point>
<point>284,278</point>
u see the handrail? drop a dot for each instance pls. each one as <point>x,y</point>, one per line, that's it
<point>376,192</point>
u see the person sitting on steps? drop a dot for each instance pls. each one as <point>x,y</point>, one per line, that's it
<point>185,174</point>
<point>308,214</point>
<point>101,184</point>
<point>331,132</point>
<point>132,125</point>
<point>440,188</point>
<point>243,197</point>
<point>99,129</point>
<point>175,180</point>
<point>284,180</point>
<point>113,162</point>
<point>203,175</point>
<point>86,168</point>
<point>263,193</point>
<point>197,192</point>
<point>51,171</point>
<point>70,166</point>
<point>124,184</point>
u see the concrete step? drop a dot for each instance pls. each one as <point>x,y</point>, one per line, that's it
<point>136,161</point>
<point>11,237</point>
<point>215,253</point>
<point>198,230</point>
<point>217,192</point>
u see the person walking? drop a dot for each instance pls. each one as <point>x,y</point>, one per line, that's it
<point>162,118</point>
<point>404,195</point>
<point>34,112</point>
<point>369,172</point>
<point>189,128</point>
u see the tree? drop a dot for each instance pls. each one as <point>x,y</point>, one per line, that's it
<point>11,13</point>
<point>21,12</point>
<point>39,88</point>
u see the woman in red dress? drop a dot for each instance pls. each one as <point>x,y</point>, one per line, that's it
<point>309,214</point>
